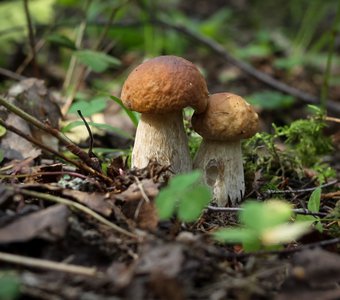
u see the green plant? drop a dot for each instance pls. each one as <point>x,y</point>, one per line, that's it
<point>134,116</point>
<point>304,147</point>
<point>264,225</point>
<point>185,195</point>
<point>9,286</point>
<point>313,206</point>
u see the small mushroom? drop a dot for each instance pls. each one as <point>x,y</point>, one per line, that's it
<point>159,89</point>
<point>227,120</point>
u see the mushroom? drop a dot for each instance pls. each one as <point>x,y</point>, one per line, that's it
<point>227,119</point>
<point>159,89</point>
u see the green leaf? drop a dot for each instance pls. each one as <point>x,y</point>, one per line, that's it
<point>89,107</point>
<point>132,115</point>
<point>2,155</point>
<point>311,219</point>
<point>261,215</point>
<point>106,127</point>
<point>184,181</point>
<point>234,235</point>
<point>96,61</point>
<point>185,194</point>
<point>9,286</point>
<point>253,51</point>
<point>285,233</point>
<point>166,202</point>
<point>314,200</point>
<point>2,131</point>
<point>193,202</point>
<point>62,41</point>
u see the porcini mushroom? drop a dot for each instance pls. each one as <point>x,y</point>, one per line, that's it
<point>227,119</point>
<point>159,89</point>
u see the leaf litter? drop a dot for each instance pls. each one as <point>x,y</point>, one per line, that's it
<point>167,260</point>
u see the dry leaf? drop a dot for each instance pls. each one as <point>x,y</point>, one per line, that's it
<point>96,201</point>
<point>49,224</point>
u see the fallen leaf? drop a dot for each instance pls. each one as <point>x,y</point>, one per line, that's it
<point>49,224</point>
<point>13,145</point>
<point>96,201</point>
<point>139,203</point>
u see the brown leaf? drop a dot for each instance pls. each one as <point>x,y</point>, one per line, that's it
<point>139,203</point>
<point>49,224</point>
<point>96,201</point>
<point>13,145</point>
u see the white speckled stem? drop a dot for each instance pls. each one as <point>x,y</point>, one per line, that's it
<point>163,138</point>
<point>222,167</point>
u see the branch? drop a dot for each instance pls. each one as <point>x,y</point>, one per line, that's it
<point>47,264</point>
<point>31,37</point>
<point>93,168</point>
<point>42,146</point>
<point>263,77</point>
<point>298,211</point>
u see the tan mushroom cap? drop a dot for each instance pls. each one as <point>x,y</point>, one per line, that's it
<point>165,84</point>
<point>228,118</point>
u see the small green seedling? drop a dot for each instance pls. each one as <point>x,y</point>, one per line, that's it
<point>265,225</point>
<point>313,206</point>
<point>185,195</point>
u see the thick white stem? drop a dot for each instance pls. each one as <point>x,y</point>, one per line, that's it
<point>162,138</point>
<point>222,167</point>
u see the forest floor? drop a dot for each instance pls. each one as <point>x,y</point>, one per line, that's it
<point>69,232</point>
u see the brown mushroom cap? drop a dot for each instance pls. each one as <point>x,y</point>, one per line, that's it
<point>228,118</point>
<point>165,84</point>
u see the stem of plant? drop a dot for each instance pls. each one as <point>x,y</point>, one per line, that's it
<point>327,75</point>
<point>73,65</point>
<point>47,265</point>
<point>40,145</point>
<point>31,37</point>
<point>63,139</point>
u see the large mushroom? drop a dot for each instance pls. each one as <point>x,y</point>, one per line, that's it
<point>159,89</point>
<point>227,119</point>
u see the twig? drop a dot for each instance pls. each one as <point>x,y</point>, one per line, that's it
<point>299,211</point>
<point>84,72</point>
<point>219,50</point>
<point>144,195</point>
<point>11,74</point>
<point>141,188</point>
<point>73,204</point>
<point>40,145</point>
<point>29,58</point>
<point>265,78</point>
<point>331,119</point>
<point>90,151</point>
<point>31,37</point>
<point>301,190</point>
<point>79,38</point>
<point>327,75</point>
<point>93,169</point>
<point>73,65</point>
<point>47,264</point>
